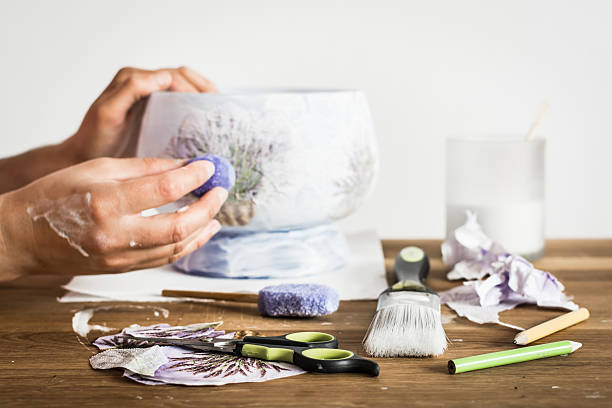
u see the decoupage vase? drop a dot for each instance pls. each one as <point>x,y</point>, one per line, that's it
<point>303,159</point>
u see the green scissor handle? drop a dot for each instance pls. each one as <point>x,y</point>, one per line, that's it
<point>315,352</point>
<point>299,339</point>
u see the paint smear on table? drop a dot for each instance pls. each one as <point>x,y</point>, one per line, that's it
<point>446,319</point>
<point>81,318</point>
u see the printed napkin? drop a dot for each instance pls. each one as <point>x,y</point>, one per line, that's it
<point>151,364</point>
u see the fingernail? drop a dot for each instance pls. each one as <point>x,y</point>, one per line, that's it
<point>204,164</point>
<point>163,78</point>
<point>221,194</point>
<point>213,227</point>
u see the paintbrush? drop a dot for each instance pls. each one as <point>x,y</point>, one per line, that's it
<point>407,320</point>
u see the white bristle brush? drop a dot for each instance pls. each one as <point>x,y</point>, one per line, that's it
<point>407,320</point>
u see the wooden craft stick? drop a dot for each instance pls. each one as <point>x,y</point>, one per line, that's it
<point>551,326</point>
<point>536,122</point>
<point>232,297</point>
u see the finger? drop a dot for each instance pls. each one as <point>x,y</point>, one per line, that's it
<point>172,252</point>
<point>152,191</point>
<point>133,254</point>
<point>136,253</point>
<point>178,252</point>
<point>125,72</point>
<point>136,86</point>
<point>125,169</point>
<point>201,83</point>
<point>171,228</point>
<point>181,84</point>
<point>170,256</point>
<point>121,76</point>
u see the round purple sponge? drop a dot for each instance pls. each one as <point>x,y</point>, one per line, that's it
<point>302,300</point>
<point>225,175</point>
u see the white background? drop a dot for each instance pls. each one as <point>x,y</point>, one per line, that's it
<point>429,69</point>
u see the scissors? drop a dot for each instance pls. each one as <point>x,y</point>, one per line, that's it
<point>311,351</point>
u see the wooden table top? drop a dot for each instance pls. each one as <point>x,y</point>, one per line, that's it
<point>45,363</point>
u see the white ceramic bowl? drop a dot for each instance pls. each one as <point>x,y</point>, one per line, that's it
<point>302,158</point>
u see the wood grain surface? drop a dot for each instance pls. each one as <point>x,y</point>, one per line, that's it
<point>44,363</point>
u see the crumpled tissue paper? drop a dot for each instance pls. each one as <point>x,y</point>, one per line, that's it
<point>496,279</point>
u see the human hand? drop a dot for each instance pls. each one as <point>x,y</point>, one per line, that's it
<point>87,218</point>
<point>105,130</point>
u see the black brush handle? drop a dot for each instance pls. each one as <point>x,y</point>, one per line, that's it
<point>316,359</point>
<point>354,364</point>
<point>412,264</point>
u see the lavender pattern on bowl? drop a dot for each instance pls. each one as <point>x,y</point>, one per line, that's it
<point>248,140</point>
<point>302,158</point>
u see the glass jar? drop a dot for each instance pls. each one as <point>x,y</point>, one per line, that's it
<point>501,179</point>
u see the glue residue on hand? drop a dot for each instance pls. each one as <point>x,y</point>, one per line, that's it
<point>70,217</point>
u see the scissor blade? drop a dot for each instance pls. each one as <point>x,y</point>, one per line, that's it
<point>209,347</point>
<point>199,343</point>
<point>197,340</point>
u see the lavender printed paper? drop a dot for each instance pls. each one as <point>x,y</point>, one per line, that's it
<point>496,279</point>
<point>188,367</point>
<point>192,331</point>
<point>162,331</point>
<point>178,365</point>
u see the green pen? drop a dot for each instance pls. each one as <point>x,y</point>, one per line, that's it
<point>461,365</point>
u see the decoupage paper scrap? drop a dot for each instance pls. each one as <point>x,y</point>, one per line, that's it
<point>151,364</point>
<point>496,279</point>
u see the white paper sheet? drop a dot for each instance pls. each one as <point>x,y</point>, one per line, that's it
<point>363,278</point>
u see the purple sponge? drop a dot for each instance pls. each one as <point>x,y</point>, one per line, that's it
<point>303,300</point>
<point>225,175</point>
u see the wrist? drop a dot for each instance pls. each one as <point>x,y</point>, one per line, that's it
<point>69,152</point>
<point>14,260</point>
<point>20,170</point>
<point>9,270</point>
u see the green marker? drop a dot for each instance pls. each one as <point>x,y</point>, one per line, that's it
<point>518,355</point>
